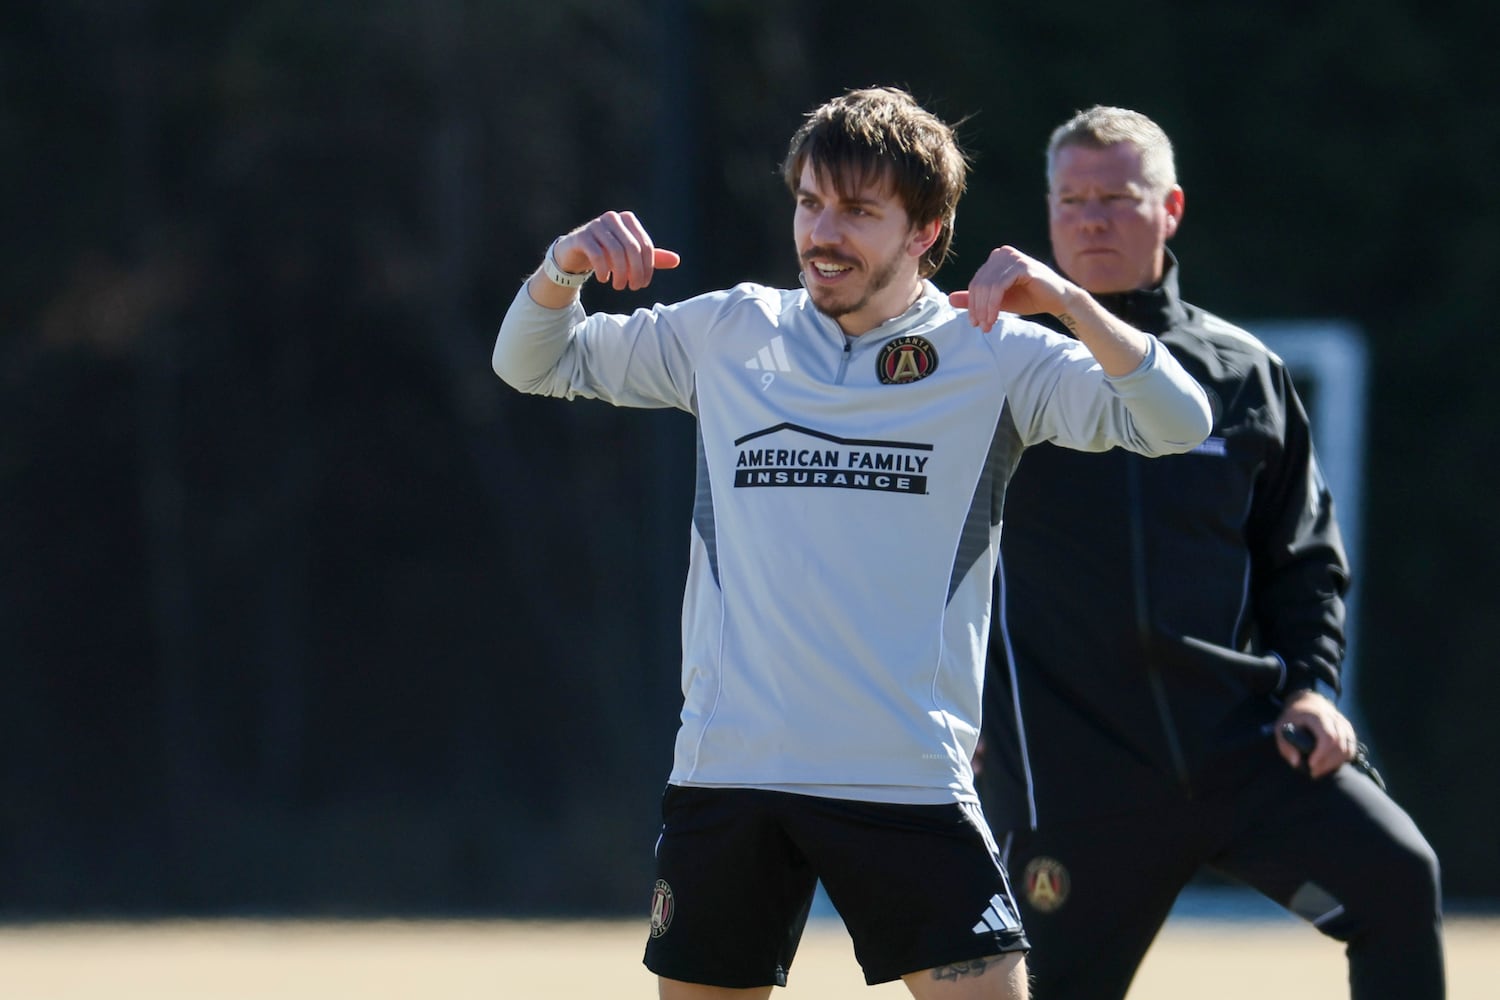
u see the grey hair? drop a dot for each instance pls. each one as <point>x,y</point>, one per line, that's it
<point>1101,126</point>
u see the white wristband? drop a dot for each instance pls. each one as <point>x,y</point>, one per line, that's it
<point>556,275</point>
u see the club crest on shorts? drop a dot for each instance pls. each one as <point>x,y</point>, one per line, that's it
<point>662,908</point>
<point>1046,883</point>
<point>906,359</point>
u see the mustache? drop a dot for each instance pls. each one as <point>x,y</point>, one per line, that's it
<point>822,253</point>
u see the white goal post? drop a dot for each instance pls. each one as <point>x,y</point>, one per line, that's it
<point>1329,362</point>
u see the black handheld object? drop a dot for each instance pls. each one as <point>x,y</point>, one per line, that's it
<point>1304,741</point>
<point>1300,738</point>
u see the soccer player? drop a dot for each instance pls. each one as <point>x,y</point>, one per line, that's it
<point>855,436</point>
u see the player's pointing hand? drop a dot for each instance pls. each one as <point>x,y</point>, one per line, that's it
<point>617,248</point>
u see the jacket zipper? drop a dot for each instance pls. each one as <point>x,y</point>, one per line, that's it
<point>844,361</point>
<point>1136,498</point>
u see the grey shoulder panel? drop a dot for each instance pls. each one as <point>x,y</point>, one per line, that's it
<point>988,504</point>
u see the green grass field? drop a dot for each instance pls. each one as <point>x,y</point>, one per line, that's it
<point>505,960</point>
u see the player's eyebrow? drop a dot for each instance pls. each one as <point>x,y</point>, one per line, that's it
<point>860,201</point>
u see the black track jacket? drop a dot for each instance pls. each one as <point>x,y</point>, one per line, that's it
<point>1155,612</point>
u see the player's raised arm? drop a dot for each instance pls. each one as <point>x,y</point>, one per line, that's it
<point>541,326</point>
<point>1010,281</point>
<point>614,247</point>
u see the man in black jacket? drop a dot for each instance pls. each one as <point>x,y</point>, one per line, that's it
<point>1149,654</point>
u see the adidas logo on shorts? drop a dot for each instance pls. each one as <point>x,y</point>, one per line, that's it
<point>999,917</point>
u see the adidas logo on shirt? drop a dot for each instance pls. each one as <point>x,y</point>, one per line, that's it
<point>999,917</point>
<point>771,358</point>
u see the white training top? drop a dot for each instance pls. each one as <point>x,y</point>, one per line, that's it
<point>847,518</point>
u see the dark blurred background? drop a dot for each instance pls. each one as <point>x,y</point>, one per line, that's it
<point>303,611</point>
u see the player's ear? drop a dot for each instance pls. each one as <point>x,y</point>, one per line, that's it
<point>923,237</point>
<point>1176,204</point>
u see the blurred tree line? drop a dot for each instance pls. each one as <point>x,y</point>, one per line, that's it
<point>304,611</point>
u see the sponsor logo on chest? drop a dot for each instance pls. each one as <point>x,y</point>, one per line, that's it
<point>789,455</point>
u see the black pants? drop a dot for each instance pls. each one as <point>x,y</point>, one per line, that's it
<point>1338,852</point>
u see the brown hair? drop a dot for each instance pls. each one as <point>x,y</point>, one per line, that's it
<point>882,132</point>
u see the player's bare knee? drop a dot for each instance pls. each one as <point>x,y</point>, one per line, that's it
<point>676,989</point>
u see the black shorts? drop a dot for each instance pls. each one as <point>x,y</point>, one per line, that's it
<point>918,886</point>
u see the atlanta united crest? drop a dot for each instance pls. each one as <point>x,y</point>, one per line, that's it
<point>906,359</point>
<point>662,908</point>
<point>1046,883</point>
